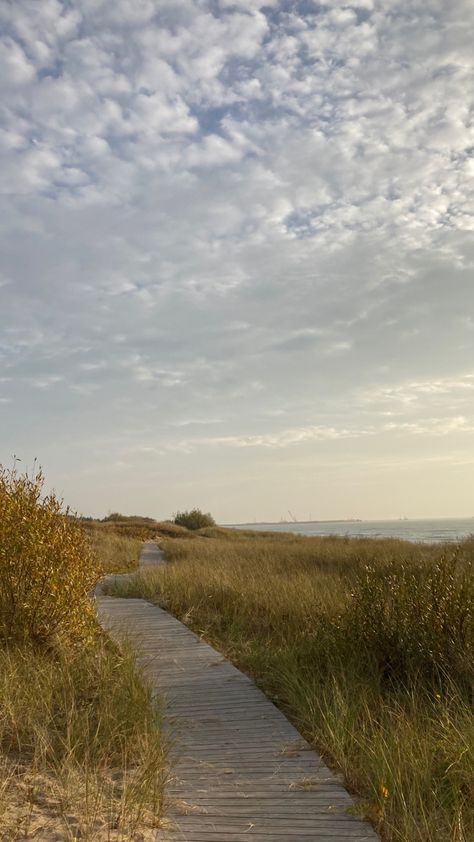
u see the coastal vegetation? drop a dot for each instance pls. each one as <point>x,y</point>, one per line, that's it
<point>81,749</point>
<point>118,552</point>
<point>367,645</point>
<point>137,527</point>
<point>194,519</point>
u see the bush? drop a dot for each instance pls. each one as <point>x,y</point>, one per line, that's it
<point>194,519</point>
<point>46,565</point>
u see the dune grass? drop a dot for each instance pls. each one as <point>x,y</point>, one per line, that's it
<point>81,752</point>
<point>116,545</point>
<point>368,645</point>
<point>81,748</point>
<point>115,553</point>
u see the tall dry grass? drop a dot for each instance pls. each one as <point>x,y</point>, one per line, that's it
<point>368,645</point>
<point>115,553</point>
<point>133,527</point>
<point>81,748</point>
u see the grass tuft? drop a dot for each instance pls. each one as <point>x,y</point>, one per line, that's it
<point>81,752</point>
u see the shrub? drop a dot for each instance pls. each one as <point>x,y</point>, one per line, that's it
<point>46,565</point>
<point>194,519</point>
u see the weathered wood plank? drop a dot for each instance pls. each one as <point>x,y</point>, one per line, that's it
<point>240,769</point>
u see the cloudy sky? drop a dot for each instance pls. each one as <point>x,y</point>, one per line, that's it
<point>237,254</point>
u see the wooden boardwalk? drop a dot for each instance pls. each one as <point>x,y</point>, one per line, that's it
<point>240,769</point>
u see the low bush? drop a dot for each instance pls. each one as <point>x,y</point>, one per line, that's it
<point>415,621</point>
<point>194,519</point>
<point>47,568</point>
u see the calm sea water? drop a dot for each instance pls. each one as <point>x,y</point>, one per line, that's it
<point>427,531</point>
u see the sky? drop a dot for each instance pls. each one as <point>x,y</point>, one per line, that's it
<point>237,255</point>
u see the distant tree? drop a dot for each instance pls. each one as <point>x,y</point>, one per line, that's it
<point>194,519</point>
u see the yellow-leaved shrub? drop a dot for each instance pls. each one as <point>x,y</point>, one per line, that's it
<point>47,569</point>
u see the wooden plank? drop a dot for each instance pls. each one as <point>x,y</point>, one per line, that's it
<point>240,769</point>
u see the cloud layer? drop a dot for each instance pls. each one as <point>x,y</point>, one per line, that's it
<point>237,246</point>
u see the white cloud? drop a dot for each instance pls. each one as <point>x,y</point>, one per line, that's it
<point>283,438</point>
<point>46,381</point>
<point>15,69</point>
<point>247,211</point>
<point>433,427</point>
<point>413,392</point>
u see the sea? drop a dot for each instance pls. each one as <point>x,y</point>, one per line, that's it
<point>430,531</point>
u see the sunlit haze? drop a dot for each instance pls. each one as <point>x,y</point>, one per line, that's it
<point>237,255</point>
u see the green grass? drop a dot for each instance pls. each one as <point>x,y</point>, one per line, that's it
<point>368,645</point>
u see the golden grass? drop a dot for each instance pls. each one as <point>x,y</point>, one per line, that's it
<point>137,528</point>
<point>368,645</point>
<point>115,553</point>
